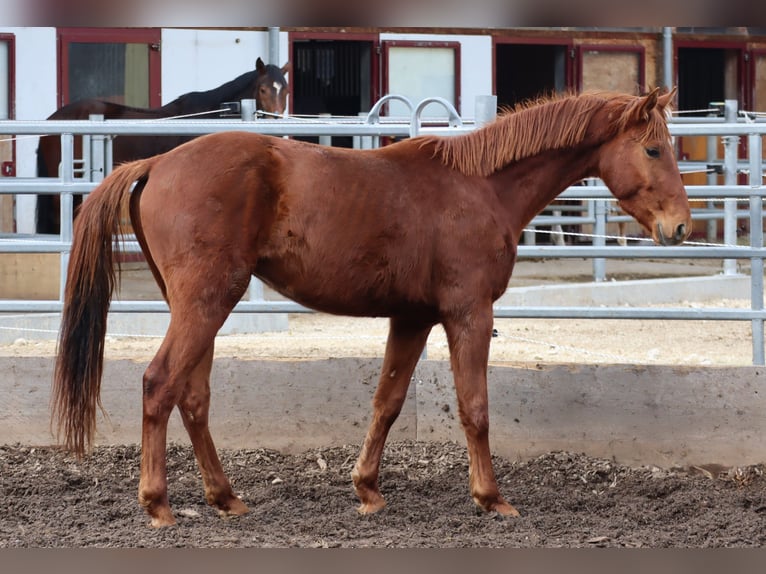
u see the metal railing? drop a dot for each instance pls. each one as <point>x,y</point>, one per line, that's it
<point>367,130</point>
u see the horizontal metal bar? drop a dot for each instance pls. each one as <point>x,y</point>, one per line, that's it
<point>44,186</point>
<point>678,313</point>
<point>22,306</point>
<point>282,127</point>
<point>648,251</point>
<point>500,312</point>
<point>303,127</point>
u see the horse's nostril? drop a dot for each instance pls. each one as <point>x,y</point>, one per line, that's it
<point>681,232</point>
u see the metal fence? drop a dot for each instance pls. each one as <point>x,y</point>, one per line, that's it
<point>367,131</point>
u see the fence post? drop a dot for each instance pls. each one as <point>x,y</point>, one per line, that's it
<point>730,145</point>
<point>485,110</point>
<point>599,236</point>
<point>66,207</point>
<point>247,110</point>
<point>96,164</point>
<point>711,179</point>
<point>325,140</point>
<point>755,144</point>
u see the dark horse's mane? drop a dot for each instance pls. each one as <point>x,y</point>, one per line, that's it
<point>550,123</point>
<point>229,89</point>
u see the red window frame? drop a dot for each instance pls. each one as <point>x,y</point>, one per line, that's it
<point>633,49</point>
<point>751,78</point>
<point>388,44</point>
<point>151,36</point>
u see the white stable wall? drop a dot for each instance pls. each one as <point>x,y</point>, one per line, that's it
<point>194,60</point>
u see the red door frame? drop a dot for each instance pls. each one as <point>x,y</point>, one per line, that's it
<point>9,167</point>
<point>744,94</point>
<point>375,70</point>
<point>566,41</point>
<point>151,36</point>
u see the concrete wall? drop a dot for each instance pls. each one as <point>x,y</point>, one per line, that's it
<point>658,415</point>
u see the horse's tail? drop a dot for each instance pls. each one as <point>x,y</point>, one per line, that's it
<point>91,277</point>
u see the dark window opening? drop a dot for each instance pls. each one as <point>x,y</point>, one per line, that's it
<point>528,71</point>
<point>332,77</point>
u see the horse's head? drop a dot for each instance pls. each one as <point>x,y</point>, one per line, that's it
<point>639,167</point>
<point>271,88</point>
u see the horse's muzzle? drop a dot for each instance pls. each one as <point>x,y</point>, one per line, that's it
<point>680,233</point>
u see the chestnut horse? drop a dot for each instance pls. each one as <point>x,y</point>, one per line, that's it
<point>266,85</point>
<point>423,231</point>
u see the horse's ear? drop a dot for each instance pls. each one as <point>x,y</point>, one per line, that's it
<point>259,65</point>
<point>287,68</point>
<point>664,100</point>
<point>646,105</point>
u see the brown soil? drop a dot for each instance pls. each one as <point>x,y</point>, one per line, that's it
<point>566,500</point>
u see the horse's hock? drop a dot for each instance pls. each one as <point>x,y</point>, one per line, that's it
<point>642,415</point>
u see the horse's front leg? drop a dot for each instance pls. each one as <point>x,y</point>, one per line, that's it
<point>469,333</point>
<point>406,339</point>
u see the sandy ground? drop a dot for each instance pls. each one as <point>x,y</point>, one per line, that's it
<point>316,336</point>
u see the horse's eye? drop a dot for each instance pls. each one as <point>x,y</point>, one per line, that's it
<point>653,152</point>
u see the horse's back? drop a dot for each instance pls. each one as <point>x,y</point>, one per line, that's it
<point>82,109</point>
<point>368,227</point>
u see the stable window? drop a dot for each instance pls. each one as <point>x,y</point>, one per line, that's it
<point>611,68</point>
<point>118,65</point>
<point>420,70</point>
<point>758,74</point>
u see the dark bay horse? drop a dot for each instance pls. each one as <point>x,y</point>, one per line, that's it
<point>266,84</point>
<point>423,231</point>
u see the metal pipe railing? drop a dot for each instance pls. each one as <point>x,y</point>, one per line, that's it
<point>373,127</point>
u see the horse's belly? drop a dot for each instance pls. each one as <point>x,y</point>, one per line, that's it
<point>345,292</point>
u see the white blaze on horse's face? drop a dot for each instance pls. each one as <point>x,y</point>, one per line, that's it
<point>278,87</point>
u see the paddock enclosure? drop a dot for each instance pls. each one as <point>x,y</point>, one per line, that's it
<point>641,429</point>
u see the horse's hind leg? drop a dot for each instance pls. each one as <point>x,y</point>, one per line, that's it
<point>469,333</point>
<point>194,407</point>
<point>406,340</point>
<point>183,359</point>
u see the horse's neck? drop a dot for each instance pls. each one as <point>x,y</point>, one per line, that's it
<point>528,186</point>
<point>192,102</point>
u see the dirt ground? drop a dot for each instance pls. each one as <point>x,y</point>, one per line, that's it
<point>566,500</point>
<point>306,500</point>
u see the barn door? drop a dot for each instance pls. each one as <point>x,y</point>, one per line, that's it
<point>7,217</point>
<point>332,74</point>
<point>526,70</point>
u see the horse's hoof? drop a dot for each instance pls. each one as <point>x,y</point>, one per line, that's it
<point>234,508</point>
<point>505,509</point>
<point>163,520</point>
<point>371,507</point>
<point>498,505</point>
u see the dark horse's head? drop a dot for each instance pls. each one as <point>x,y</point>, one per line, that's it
<point>271,88</point>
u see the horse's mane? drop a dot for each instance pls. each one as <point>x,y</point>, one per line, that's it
<point>231,89</point>
<point>556,122</point>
